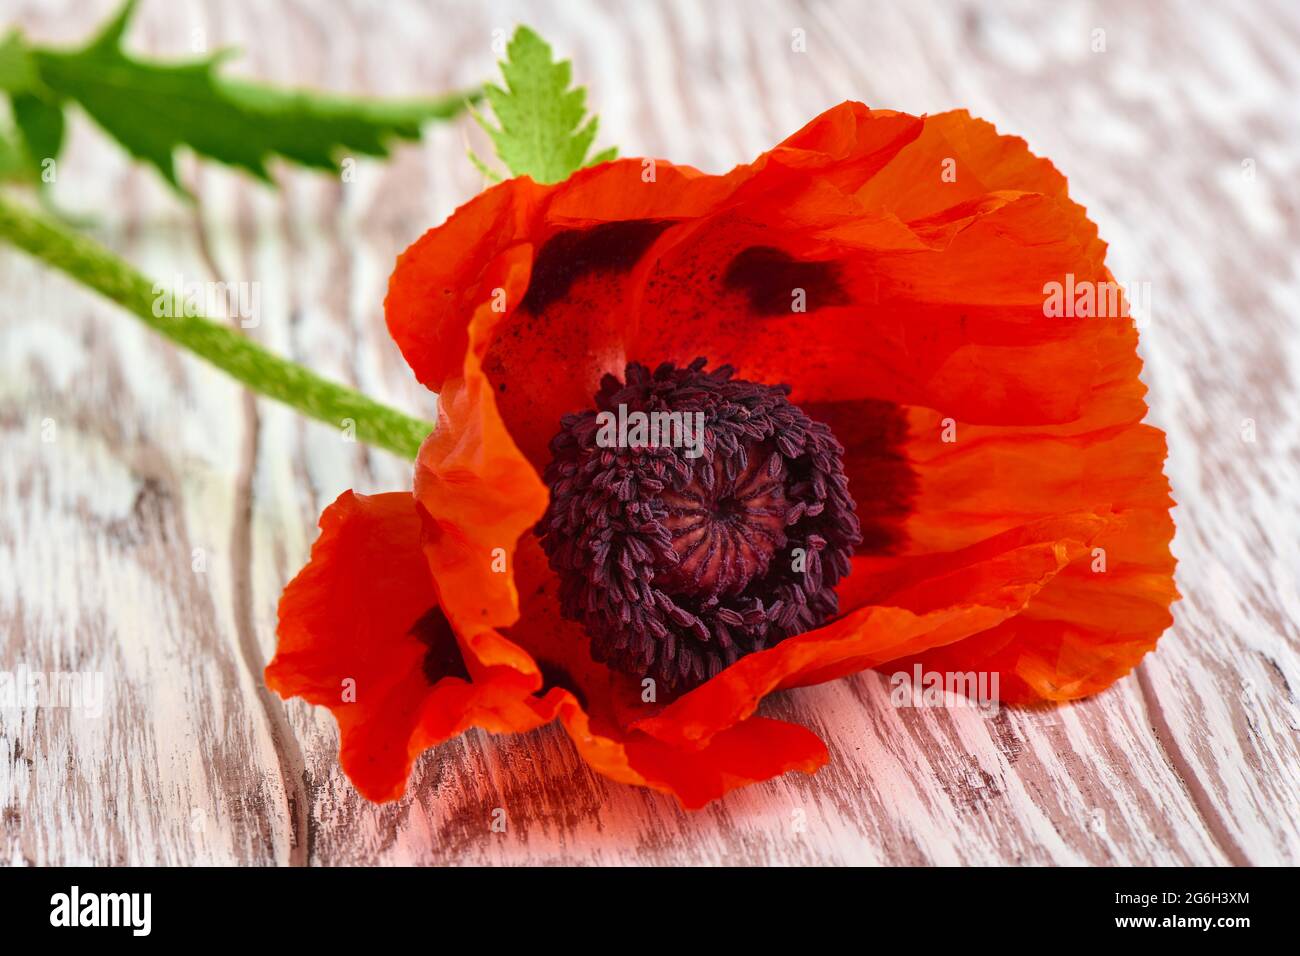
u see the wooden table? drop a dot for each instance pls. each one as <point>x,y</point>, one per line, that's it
<point>152,510</point>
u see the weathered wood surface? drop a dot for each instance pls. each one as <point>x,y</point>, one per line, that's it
<point>1195,759</point>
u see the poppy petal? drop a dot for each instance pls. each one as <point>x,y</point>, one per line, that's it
<point>478,495</point>
<point>361,633</point>
<point>587,311</point>
<point>749,751</point>
<point>931,601</point>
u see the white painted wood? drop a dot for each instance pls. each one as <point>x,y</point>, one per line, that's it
<point>1196,759</point>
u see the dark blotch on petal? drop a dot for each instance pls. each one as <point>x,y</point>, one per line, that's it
<point>884,485</point>
<point>553,675</point>
<point>568,256</point>
<point>769,276</point>
<point>443,659</point>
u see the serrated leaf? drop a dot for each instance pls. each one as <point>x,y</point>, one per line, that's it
<point>489,174</point>
<point>153,108</point>
<point>604,156</point>
<point>541,130</point>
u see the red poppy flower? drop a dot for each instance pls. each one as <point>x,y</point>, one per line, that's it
<point>904,460</point>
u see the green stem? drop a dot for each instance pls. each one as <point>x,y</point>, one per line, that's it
<point>94,266</point>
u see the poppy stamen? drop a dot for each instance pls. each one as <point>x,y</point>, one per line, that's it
<point>681,557</point>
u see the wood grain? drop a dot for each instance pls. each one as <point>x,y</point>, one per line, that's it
<point>1193,760</point>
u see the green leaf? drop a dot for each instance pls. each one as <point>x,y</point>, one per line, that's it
<point>40,122</point>
<point>13,159</point>
<point>153,108</point>
<point>541,131</point>
<point>604,156</point>
<point>17,72</point>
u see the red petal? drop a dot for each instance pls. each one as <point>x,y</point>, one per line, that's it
<point>349,641</point>
<point>923,603</point>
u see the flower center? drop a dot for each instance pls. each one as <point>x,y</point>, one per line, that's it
<point>695,518</point>
<point>725,531</point>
